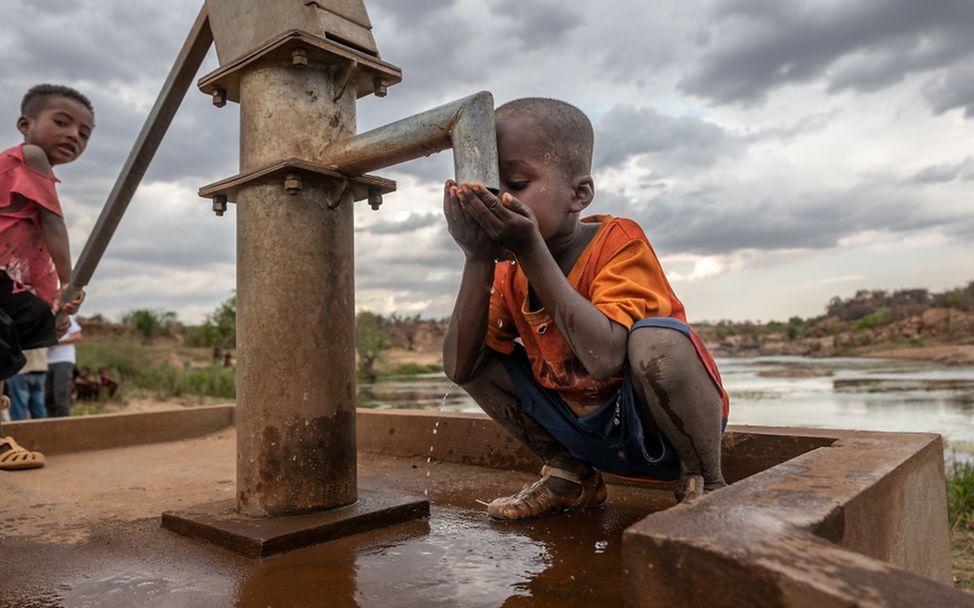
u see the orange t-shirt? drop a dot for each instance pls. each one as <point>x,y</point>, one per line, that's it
<point>618,272</point>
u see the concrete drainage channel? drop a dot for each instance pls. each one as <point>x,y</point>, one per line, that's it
<point>812,517</point>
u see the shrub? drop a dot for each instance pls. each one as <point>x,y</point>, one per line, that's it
<point>879,317</point>
<point>960,495</point>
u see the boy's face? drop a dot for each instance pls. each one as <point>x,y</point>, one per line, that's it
<point>530,172</point>
<point>61,129</point>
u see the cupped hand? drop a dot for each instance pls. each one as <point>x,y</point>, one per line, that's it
<point>465,230</point>
<point>505,219</point>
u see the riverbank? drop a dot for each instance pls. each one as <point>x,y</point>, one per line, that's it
<point>947,354</point>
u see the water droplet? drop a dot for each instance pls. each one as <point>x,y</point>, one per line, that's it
<point>434,431</point>
<point>500,323</point>
<point>600,546</point>
<point>427,473</point>
<point>426,492</point>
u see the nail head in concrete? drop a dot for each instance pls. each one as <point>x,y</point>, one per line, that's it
<point>221,524</point>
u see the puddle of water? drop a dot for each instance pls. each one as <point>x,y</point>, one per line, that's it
<point>457,558</point>
<point>143,589</point>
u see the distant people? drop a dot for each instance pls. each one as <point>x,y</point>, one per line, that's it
<point>27,387</point>
<point>106,382</point>
<point>60,372</point>
<point>35,260</point>
<point>228,359</point>
<point>85,385</point>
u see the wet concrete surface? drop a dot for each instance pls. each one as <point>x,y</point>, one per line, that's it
<point>84,531</point>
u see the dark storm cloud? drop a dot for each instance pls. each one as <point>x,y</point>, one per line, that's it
<point>863,45</point>
<point>669,141</point>
<point>539,24</point>
<point>413,222</point>
<point>723,221</point>
<point>952,89</point>
<point>436,55</point>
<point>936,174</point>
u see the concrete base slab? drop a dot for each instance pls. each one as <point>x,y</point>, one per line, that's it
<point>220,523</point>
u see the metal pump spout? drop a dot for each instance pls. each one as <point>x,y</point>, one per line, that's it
<point>466,125</point>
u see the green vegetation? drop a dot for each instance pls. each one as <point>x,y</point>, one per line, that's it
<point>880,316</point>
<point>960,495</point>
<point>220,327</point>
<point>412,369</point>
<point>960,514</point>
<point>372,338</point>
<point>149,322</point>
<point>153,355</point>
<point>162,372</point>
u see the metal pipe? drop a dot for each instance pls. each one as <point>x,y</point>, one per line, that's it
<point>295,301</point>
<point>181,75</point>
<point>466,125</point>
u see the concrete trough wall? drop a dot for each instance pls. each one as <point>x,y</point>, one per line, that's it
<point>80,433</point>
<point>813,517</point>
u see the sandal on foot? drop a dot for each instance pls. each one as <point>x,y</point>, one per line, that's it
<point>16,458</point>
<point>538,500</point>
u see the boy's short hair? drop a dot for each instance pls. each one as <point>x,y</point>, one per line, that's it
<point>36,98</point>
<point>563,125</point>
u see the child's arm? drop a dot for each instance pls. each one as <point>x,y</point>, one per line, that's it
<point>464,343</point>
<point>56,235</point>
<point>55,231</point>
<point>597,341</point>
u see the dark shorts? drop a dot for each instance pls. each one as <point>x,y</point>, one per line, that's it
<point>26,322</point>
<point>611,438</point>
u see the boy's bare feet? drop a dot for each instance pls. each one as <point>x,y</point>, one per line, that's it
<point>557,491</point>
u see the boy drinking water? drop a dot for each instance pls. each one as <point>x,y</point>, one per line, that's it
<point>35,261</point>
<point>575,344</point>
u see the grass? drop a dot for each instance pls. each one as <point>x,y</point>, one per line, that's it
<point>960,515</point>
<point>174,372</point>
<point>163,372</point>
<point>960,495</point>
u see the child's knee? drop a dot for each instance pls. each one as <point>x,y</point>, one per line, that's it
<point>660,355</point>
<point>490,377</point>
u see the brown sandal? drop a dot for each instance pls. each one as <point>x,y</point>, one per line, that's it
<point>538,500</point>
<point>16,458</point>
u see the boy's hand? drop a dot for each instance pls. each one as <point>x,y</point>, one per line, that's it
<point>506,220</point>
<point>465,230</point>
<point>70,307</point>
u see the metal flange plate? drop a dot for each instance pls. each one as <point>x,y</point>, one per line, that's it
<point>370,75</point>
<point>361,186</point>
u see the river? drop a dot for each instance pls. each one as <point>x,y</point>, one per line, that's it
<point>850,393</point>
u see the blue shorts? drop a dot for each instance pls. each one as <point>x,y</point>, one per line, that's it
<point>612,438</point>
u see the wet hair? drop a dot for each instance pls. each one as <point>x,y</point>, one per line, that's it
<point>560,124</point>
<point>37,97</point>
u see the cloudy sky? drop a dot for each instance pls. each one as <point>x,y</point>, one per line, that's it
<point>778,153</point>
